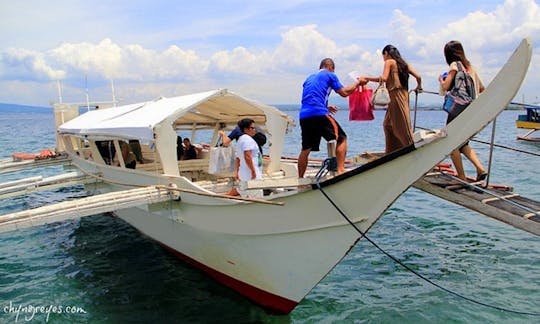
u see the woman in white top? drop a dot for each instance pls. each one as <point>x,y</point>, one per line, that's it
<point>248,159</point>
<point>453,53</point>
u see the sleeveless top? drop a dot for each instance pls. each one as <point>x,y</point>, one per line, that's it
<point>393,83</point>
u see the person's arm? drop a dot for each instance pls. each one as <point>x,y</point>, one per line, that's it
<point>481,87</point>
<point>249,162</point>
<point>224,138</point>
<point>384,75</point>
<point>418,78</point>
<point>346,91</point>
<point>447,83</point>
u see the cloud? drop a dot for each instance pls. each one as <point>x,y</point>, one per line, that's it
<point>27,65</point>
<point>239,61</point>
<point>488,38</point>
<point>303,45</point>
<point>131,62</point>
<point>284,57</point>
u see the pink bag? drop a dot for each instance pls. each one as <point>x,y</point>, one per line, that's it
<point>360,107</point>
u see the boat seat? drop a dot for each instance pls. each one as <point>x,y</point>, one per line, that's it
<point>183,166</point>
<point>193,165</point>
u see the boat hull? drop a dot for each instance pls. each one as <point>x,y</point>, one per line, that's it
<point>275,271</point>
<point>527,124</point>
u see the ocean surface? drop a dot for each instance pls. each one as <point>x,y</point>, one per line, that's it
<point>100,270</point>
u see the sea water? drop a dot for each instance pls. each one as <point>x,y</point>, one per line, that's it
<point>100,270</point>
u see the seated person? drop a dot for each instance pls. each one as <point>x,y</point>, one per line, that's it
<point>235,134</point>
<point>135,146</point>
<point>130,160</point>
<point>179,148</point>
<point>190,152</point>
<point>107,150</point>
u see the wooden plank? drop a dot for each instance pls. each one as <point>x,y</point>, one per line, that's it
<point>487,200</point>
<point>517,221</point>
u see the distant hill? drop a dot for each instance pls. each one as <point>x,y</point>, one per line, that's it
<point>4,107</point>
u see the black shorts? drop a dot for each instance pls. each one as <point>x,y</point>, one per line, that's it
<point>313,128</point>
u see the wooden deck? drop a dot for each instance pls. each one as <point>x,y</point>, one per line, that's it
<point>498,202</point>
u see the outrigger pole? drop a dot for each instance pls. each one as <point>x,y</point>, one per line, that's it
<point>83,207</point>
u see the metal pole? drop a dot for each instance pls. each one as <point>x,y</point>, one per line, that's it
<point>87,97</point>
<point>415,108</point>
<point>491,143</point>
<point>113,95</point>
<point>59,90</point>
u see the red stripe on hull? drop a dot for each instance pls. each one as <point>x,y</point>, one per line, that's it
<point>269,301</point>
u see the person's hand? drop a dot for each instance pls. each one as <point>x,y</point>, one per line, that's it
<point>362,81</point>
<point>418,89</point>
<point>253,174</point>
<point>332,109</point>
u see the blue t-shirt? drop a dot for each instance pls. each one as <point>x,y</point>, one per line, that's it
<point>317,89</point>
<point>235,133</point>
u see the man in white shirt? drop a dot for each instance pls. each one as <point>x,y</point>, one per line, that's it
<point>248,160</point>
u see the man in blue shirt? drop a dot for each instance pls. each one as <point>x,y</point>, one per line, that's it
<point>235,134</point>
<point>315,114</point>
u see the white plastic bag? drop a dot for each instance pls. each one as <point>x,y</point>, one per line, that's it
<point>222,161</point>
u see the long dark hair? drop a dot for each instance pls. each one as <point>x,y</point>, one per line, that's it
<point>453,51</point>
<point>403,67</point>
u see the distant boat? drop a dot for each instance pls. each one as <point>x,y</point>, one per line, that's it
<point>275,249</point>
<point>530,120</point>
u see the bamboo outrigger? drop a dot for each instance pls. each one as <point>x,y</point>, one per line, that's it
<point>9,165</point>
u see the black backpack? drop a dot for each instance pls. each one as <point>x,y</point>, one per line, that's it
<point>260,138</point>
<point>461,95</point>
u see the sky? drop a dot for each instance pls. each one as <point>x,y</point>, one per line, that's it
<point>261,49</point>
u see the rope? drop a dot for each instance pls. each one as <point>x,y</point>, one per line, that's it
<point>396,260</point>
<point>496,145</point>
<point>506,147</point>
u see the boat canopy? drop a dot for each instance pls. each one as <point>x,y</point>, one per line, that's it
<point>139,121</point>
<point>156,122</point>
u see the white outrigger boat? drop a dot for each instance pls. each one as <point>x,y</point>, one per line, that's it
<point>272,250</point>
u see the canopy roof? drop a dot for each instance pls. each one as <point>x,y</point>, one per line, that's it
<point>138,121</point>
